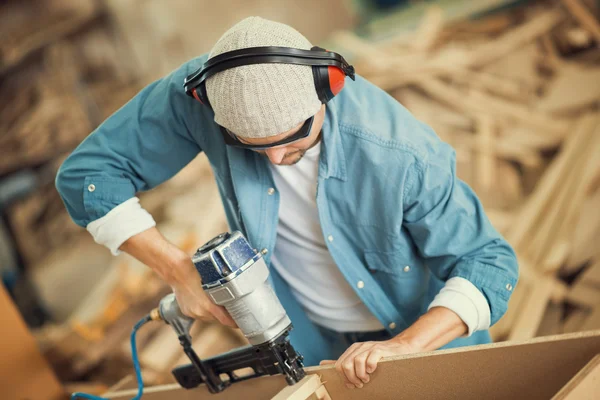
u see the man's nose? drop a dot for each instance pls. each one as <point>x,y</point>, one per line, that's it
<point>276,154</point>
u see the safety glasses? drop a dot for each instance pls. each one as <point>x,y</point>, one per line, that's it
<point>231,139</point>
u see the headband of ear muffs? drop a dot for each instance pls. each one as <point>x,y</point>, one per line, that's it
<point>329,68</point>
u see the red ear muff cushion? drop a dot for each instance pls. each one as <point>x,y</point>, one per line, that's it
<point>195,94</point>
<point>336,79</point>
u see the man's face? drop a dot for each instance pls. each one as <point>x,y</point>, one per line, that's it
<point>290,154</point>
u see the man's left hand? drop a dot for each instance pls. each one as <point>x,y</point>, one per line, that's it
<point>360,360</point>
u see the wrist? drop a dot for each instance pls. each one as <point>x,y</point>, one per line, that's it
<point>410,340</point>
<point>180,269</point>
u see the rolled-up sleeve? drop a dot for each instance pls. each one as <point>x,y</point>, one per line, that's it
<point>140,146</point>
<point>451,231</point>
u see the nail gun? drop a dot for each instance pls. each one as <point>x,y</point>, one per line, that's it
<point>235,276</point>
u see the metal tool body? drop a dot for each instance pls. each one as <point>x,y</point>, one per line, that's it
<point>236,276</point>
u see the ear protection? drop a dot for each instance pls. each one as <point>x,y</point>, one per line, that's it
<point>329,68</point>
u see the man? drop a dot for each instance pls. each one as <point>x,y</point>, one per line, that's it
<point>375,247</point>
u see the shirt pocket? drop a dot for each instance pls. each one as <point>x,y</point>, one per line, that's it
<point>403,276</point>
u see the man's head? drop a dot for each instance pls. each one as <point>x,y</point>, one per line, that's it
<point>265,104</point>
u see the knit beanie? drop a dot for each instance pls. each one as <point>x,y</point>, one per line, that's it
<point>262,100</point>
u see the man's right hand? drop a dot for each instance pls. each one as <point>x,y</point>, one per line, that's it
<point>176,268</point>
<point>195,303</point>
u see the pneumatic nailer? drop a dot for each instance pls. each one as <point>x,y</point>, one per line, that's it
<point>235,276</point>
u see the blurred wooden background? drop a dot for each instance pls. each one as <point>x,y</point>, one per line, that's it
<point>514,88</point>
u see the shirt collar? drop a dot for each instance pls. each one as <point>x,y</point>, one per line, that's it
<point>332,153</point>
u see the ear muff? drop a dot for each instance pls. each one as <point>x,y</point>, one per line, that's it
<point>329,80</point>
<point>195,95</point>
<point>336,79</point>
<point>329,68</point>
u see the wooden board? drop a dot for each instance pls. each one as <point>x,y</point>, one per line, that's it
<point>524,370</point>
<point>24,373</point>
<point>310,387</point>
<point>574,87</point>
<point>585,385</point>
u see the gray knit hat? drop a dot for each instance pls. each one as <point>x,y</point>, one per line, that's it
<point>262,100</point>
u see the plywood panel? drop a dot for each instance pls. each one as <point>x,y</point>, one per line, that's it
<point>496,371</point>
<point>585,385</point>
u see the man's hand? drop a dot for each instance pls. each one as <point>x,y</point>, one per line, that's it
<point>360,360</point>
<point>195,303</point>
<point>176,268</point>
<point>432,330</point>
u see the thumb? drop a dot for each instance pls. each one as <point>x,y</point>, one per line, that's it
<point>327,362</point>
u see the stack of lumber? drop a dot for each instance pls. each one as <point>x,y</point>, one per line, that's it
<point>62,71</point>
<point>517,94</point>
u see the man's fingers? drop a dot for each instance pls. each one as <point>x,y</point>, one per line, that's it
<point>374,356</point>
<point>327,362</point>
<point>360,366</point>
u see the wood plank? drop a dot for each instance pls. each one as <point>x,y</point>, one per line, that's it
<point>590,276</point>
<point>518,66</point>
<point>21,37</point>
<point>584,16</point>
<point>485,160</point>
<point>551,321</point>
<point>560,223</point>
<point>533,210</point>
<point>494,371</point>
<point>430,28</point>
<point>532,312</point>
<point>24,373</point>
<point>583,295</point>
<point>303,390</point>
<point>583,386</point>
<point>585,245</point>
<point>575,321</point>
<point>477,103</point>
<point>574,87</point>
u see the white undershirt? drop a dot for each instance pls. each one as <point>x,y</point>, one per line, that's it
<point>302,258</point>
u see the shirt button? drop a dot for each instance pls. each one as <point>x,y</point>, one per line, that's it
<point>360,284</point>
<point>91,187</point>
<point>406,268</point>
<point>271,191</point>
<point>392,325</point>
<point>509,287</point>
<point>330,238</point>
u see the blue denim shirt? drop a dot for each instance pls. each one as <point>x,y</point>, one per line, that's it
<point>387,196</point>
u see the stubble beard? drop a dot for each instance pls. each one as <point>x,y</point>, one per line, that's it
<point>292,158</point>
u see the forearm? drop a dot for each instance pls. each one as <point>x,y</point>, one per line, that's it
<point>432,330</point>
<point>150,247</point>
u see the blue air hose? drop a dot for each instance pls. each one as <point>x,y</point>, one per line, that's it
<point>136,366</point>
